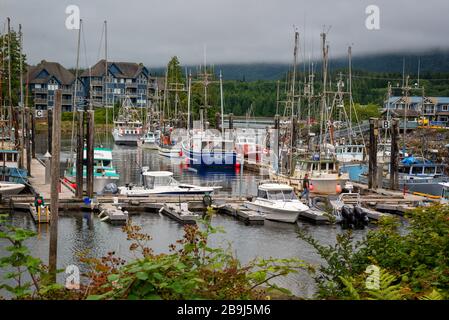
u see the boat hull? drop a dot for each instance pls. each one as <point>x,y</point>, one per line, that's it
<point>99,182</point>
<point>126,139</point>
<point>210,159</point>
<point>275,214</point>
<point>168,152</point>
<point>10,188</point>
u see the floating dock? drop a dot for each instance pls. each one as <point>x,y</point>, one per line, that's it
<point>112,213</point>
<point>180,213</point>
<point>241,213</point>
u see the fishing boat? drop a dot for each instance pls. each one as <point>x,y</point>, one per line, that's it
<point>104,170</point>
<point>278,202</point>
<point>149,141</point>
<point>324,175</point>
<point>203,149</point>
<point>418,176</point>
<point>128,126</point>
<point>168,147</point>
<point>163,183</point>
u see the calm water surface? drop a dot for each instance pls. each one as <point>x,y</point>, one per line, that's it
<point>85,233</point>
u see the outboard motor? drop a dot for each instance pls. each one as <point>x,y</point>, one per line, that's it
<point>110,188</point>
<point>361,218</point>
<point>348,220</point>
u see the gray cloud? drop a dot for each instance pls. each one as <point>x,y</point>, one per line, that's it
<point>152,31</point>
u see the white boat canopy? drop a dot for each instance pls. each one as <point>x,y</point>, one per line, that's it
<point>275,187</point>
<point>158,173</point>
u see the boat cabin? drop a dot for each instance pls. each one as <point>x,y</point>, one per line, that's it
<point>102,158</point>
<point>444,193</point>
<point>279,192</point>
<point>422,169</point>
<point>153,179</point>
<point>317,165</point>
<point>211,144</point>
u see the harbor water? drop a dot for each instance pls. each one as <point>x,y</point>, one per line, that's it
<point>82,233</point>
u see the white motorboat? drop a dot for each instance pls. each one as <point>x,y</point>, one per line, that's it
<point>163,183</point>
<point>278,202</point>
<point>10,188</point>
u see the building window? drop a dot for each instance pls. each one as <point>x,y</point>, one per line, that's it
<point>444,107</point>
<point>52,87</point>
<point>37,86</point>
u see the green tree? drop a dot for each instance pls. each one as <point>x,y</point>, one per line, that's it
<point>15,67</point>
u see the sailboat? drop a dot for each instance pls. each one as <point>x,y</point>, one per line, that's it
<point>13,177</point>
<point>128,126</point>
<point>104,170</point>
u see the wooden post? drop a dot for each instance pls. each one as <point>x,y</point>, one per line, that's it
<point>90,154</point>
<point>27,123</point>
<point>54,204</point>
<point>231,121</point>
<point>372,165</point>
<point>80,155</point>
<point>394,156</point>
<point>218,121</point>
<point>49,128</point>
<point>18,115</point>
<point>33,134</point>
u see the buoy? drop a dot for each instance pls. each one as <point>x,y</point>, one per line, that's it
<point>311,187</point>
<point>180,153</point>
<point>338,188</point>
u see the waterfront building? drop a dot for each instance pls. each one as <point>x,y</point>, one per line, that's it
<point>46,77</point>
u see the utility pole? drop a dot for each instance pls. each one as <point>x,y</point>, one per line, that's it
<point>55,183</point>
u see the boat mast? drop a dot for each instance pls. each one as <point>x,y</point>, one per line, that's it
<point>21,107</point>
<point>75,90</point>
<point>9,76</point>
<point>222,107</point>
<point>188,102</point>
<point>292,100</point>
<point>106,76</point>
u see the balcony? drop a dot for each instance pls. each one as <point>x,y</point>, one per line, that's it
<point>97,93</point>
<point>67,91</point>
<point>96,83</point>
<point>40,90</point>
<point>131,85</point>
<point>40,101</point>
<point>67,101</point>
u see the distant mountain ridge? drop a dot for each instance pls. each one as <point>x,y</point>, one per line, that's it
<point>435,61</point>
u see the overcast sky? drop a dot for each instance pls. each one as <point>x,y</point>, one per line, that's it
<point>151,31</point>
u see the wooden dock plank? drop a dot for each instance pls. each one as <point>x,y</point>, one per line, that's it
<point>37,181</point>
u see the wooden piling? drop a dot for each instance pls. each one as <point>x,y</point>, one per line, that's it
<point>33,135</point>
<point>79,155</point>
<point>55,173</point>
<point>394,156</point>
<point>231,121</point>
<point>27,123</point>
<point>50,128</point>
<point>372,164</point>
<point>90,154</point>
